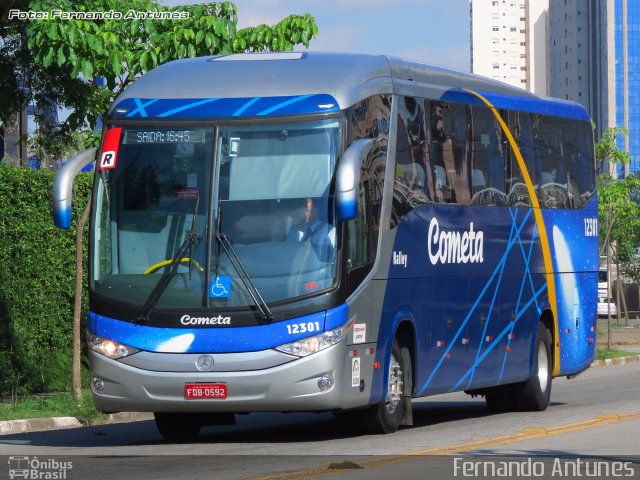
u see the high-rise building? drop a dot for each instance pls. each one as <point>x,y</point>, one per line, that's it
<point>627,78</point>
<point>587,51</point>
<point>509,42</point>
<point>595,60</point>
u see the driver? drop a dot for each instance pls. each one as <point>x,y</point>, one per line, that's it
<point>320,234</point>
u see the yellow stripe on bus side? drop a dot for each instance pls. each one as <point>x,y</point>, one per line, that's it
<point>544,239</point>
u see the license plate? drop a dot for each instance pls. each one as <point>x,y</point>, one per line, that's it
<point>205,390</point>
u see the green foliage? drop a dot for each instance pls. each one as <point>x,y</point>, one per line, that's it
<point>618,207</point>
<point>607,150</point>
<point>619,214</point>
<point>292,30</point>
<point>37,279</point>
<point>604,353</point>
<point>63,58</point>
<point>55,405</point>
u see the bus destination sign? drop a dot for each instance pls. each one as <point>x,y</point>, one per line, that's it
<point>134,137</point>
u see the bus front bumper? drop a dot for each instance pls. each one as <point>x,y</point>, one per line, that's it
<point>290,386</point>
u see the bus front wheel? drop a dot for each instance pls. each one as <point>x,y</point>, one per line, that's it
<point>387,416</point>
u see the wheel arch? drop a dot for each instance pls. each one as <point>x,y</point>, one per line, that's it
<point>550,324</point>
<point>406,335</point>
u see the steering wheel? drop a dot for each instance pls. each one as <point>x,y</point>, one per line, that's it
<point>157,266</point>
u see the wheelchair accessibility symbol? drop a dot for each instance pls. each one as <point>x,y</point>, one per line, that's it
<point>220,287</point>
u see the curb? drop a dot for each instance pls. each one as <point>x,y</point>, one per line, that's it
<point>10,427</point>
<point>615,361</point>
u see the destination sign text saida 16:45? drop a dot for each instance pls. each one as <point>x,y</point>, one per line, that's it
<point>134,137</point>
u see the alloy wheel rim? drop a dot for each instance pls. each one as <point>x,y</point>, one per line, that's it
<point>543,367</point>
<point>395,385</point>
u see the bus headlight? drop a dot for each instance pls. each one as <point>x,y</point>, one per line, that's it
<point>110,348</point>
<point>309,345</point>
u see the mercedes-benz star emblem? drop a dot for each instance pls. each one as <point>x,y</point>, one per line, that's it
<point>204,363</point>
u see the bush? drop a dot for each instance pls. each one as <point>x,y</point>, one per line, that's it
<point>37,282</point>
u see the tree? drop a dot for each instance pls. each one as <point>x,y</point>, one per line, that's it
<point>607,150</point>
<point>619,213</point>
<point>83,64</point>
<point>619,219</point>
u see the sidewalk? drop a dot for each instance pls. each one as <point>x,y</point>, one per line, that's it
<point>622,338</point>
<point>625,337</point>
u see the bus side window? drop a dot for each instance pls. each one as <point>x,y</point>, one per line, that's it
<point>522,131</point>
<point>359,253</point>
<point>413,176</point>
<point>451,130</point>
<point>569,149</point>
<point>577,142</point>
<point>584,168</point>
<point>369,119</point>
<point>362,231</point>
<point>549,153</point>
<point>487,160</point>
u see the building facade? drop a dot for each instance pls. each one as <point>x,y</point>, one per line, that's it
<point>509,42</point>
<point>587,51</point>
<point>594,59</point>
<point>627,77</point>
<point>582,57</point>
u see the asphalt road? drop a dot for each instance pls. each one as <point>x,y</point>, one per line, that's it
<point>596,416</point>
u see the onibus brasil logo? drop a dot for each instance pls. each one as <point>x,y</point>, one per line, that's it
<point>33,468</point>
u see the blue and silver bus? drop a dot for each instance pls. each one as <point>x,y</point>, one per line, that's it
<point>335,232</point>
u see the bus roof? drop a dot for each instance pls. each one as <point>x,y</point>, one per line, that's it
<point>347,78</point>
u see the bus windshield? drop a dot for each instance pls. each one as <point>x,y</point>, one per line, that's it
<point>264,188</point>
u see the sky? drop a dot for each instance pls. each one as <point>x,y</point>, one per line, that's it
<point>429,31</point>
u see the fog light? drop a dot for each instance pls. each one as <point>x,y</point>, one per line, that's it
<point>98,385</point>
<point>325,382</point>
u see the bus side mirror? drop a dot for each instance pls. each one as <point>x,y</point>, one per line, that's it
<point>348,178</point>
<point>62,186</point>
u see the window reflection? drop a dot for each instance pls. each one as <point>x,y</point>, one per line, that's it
<point>455,153</point>
<point>450,138</point>
<point>369,118</point>
<point>487,160</point>
<point>414,179</point>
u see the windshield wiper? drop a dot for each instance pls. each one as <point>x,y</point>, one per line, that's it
<point>259,302</point>
<point>190,240</point>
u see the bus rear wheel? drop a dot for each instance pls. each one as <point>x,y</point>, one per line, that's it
<point>177,426</point>
<point>535,394</point>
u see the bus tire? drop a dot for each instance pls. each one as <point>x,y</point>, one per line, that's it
<point>177,426</point>
<point>386,417</point>
<point>535,394</point>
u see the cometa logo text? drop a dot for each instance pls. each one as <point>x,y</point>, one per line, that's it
<point>454,247</point>
<point>219,320</point>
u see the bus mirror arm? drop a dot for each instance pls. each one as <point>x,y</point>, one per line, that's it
<point>348,178</point>
<point>62,186</point>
